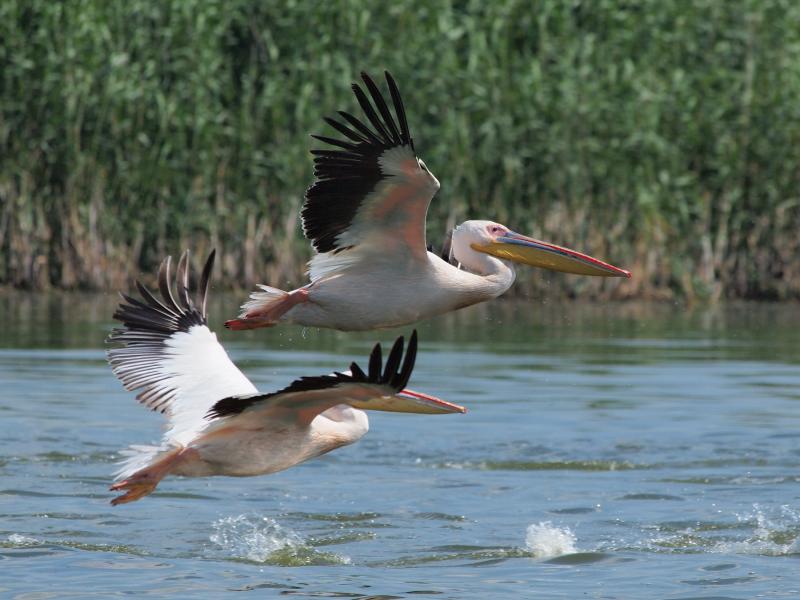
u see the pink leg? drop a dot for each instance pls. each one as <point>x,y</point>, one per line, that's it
<point>144,481</point>
<point>269,315</point>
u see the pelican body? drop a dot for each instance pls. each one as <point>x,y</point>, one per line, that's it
<point>365,217</point>
<point>218,422</point>
<point>391,295</point>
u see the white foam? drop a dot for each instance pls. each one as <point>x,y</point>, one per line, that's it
<point>772,536</point>
<point>262,539</point>
<point>254,538</point>
<point>22,540</point>
<point>545,540</point>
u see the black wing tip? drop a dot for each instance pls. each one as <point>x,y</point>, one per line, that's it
<point>163,315</point>
<point>386,133</point>
<point>375,363</point>
<point>391,376</point>
<point>205,278</point>
<point>395,356</point>
<point>408,364</point>
<point>397,369</point>
<point>212,256</point>
<point>365,77</point>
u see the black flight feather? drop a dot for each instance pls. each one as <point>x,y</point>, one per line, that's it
<point>205,277</point>
<point>405,136</point>
<point>362,129</point>
<point>356,371</point>
<point>395,355</point>
<point>408,364</point>
<point>335,142</point>
<point>375,362</point>
<point>376,375</point>
<point>339,154</point>
<point>163,284</point>
<point>377,98</point>
<point>347,174</point>
<point>147,324</point>
<point>152,301</point>
<point>345,131</point>
<point>182,282</point>
<point>369,111</point>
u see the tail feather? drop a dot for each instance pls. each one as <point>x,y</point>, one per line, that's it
<point>137,457</point>
<point>260,301</point>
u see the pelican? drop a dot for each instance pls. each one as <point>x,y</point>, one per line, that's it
<point>365,217</point>
<point>218,422</point>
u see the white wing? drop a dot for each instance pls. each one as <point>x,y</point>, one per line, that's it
<point>167,351</point>
<point>371,194</point>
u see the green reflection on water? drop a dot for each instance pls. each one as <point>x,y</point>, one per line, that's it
<point>615,333</point>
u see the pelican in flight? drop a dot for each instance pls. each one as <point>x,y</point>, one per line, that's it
<point>365,216</point>
<point>218,422</point>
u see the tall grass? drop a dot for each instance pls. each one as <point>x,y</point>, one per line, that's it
<point>661,135</point>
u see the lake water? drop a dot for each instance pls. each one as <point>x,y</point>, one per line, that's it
<point>622,451</point>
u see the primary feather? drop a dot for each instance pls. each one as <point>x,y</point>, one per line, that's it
<point>167,352</point>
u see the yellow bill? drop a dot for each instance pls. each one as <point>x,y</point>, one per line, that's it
<point>529,251</point>
<point>409,401</point>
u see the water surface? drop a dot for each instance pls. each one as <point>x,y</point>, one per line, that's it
<point>623,451</point>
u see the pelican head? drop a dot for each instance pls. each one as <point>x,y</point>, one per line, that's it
<point>498,240</point>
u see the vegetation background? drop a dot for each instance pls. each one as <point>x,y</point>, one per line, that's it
<point>663,135</point>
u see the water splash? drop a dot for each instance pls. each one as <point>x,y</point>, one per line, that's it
<point>264,540</point>
<point>545,540</point>
<point>253,538</point>
<point>762,532</point>
<point>22,540</point>
<point>776,535</point>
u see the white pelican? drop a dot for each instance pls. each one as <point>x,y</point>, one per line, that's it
<point>218,423</point>
<point>365,216</point>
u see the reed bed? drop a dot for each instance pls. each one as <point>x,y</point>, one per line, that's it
<point>661,135</point>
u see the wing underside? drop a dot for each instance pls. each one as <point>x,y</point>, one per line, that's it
<point>166,351</point>
<point>370,188</point>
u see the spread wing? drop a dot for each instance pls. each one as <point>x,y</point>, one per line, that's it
<point>166,350</point>
<point>307,397</point>
<point>371,192</point>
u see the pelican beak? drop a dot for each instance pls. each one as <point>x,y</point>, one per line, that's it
<point>409,401</point>
<point>529,251</point>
